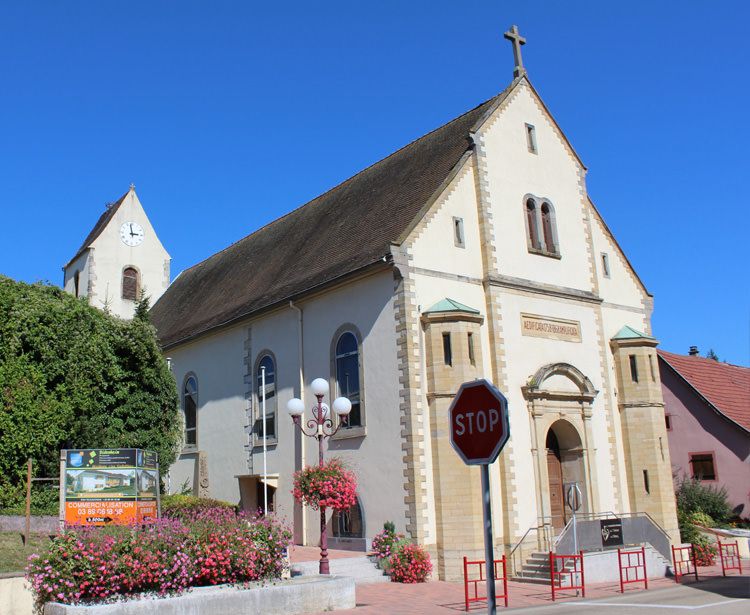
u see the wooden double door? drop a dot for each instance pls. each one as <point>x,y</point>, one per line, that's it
<point>555,474</point>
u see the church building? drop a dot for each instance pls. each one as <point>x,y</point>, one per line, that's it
<point>473,252</point>
<point>120,260</point>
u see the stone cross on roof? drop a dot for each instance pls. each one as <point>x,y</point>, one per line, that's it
<point>514,36</point>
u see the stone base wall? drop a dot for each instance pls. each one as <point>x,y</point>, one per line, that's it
<point>303,595</point>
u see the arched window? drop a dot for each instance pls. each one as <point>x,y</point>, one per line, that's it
<point>548,228</point>
<point>347,375</point>
<point>348,523</point>
<point>77,283</point>
<point>190,411</point>
<point>130,283</point>
<point>532,227</point>
<point>268,365</point>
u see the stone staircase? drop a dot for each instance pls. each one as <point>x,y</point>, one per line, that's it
<point>362,569</point>
<point>536,569</point>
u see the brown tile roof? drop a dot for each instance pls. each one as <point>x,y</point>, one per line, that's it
<point>726,387</point>
<point>101,223</point>
<point>348,228</point>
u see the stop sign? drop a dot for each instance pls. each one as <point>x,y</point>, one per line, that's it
<point>479,425</point>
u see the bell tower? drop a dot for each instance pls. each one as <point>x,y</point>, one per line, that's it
<point>120,261</point>
<point>644,432</point>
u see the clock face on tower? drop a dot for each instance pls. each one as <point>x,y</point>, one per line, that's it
<point>131,234</point>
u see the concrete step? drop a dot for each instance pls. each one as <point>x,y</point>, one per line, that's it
<point>362,569</point>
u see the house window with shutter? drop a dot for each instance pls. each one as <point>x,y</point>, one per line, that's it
<point>130,283</point>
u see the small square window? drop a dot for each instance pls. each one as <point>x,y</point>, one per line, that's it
<point>605,264</point>
<point>531,138</point>
<point>458,233</point>
<point>702,466</point>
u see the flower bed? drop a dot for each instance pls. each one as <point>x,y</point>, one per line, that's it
<point>94,565</point>
<point>328,486</point>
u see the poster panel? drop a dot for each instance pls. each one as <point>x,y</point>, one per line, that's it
<point>109,486</point>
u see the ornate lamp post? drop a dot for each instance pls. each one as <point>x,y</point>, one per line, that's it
<point>321,426</point>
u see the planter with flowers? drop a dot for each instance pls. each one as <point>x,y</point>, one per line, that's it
<point>213,550</point>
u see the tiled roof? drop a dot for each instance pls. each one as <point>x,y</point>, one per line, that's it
<point>346,229</point>
<point>101,223</point>
<point>724,386</point>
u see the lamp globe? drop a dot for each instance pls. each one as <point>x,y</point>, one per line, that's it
<point>295,407</point>
<point>342,406</point>
<point>319,386</point>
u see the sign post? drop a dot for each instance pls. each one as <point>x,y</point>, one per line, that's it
<point>573,496</point>
<point>479,429</point>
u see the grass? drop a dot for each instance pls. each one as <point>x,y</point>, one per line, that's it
<point>13,553</point>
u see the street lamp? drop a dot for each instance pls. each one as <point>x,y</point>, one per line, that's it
<point>320,426</point>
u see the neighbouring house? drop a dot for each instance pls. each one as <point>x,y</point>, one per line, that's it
<point>707,416</point>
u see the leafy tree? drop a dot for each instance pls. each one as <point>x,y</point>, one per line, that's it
<point>73,376</point>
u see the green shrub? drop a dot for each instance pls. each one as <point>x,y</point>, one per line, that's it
<point>45,499</point>
<point>73,376</point>
<point>693,497</point>
<point>188,507</point>
<point>701,518</point>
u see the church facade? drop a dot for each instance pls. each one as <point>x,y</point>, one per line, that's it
<point>472,252</point>
<point>120,260</point>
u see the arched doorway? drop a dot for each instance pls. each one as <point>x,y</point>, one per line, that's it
<point>564,465</point>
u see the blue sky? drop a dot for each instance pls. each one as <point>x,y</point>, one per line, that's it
<point>228,114</point>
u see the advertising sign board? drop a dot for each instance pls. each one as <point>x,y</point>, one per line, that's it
<point>108,486</point>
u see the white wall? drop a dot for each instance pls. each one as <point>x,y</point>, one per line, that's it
<point>218,360</point>
<point>80,266</point>
<point>110,256</point>
<point>552,173</point>
<point>217,363</point>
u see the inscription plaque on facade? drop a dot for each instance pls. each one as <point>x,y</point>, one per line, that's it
<point>551,328</point>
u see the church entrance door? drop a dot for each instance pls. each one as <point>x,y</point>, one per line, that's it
<point>554,471</point>
<point>564,465</point>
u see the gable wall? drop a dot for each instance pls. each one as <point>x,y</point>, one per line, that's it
<point>111,256</point>
<point>552,173</point>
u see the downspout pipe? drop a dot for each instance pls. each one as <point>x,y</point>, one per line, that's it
<point>300,363</point>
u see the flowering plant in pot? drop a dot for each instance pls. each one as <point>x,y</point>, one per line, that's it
<point>409,563</point>
<point>328,486</point>
<point>384,542</point>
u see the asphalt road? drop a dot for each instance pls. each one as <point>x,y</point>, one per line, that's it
<point>720,596</point>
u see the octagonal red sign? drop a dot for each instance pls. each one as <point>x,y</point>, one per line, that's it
<point>479,425</point>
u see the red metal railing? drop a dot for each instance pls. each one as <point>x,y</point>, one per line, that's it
<point>632,567</point>
<point>557,573</point>
<point>482,579</point>
<point>684,559</point>
<point>729,554</point>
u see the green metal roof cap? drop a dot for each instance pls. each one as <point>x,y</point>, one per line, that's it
<point>449,305</point>
<point>628,333</point>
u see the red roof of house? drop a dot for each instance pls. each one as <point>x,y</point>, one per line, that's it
<point>725,386</point>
